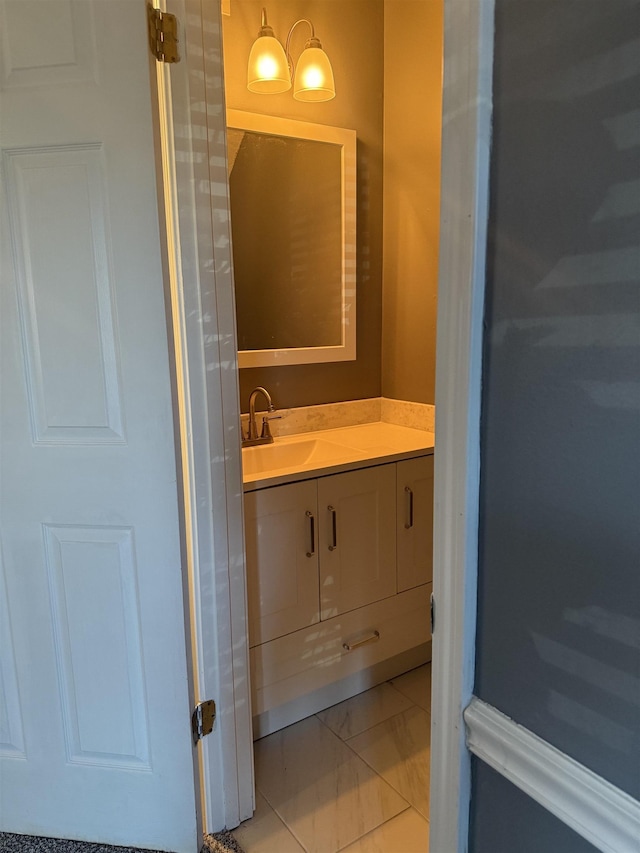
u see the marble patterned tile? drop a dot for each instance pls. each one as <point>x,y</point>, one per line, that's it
<point>406,833</point>
<point>404,413</point>
<point>324,793</point>
<point>399,750</point>
<point>365,710</point>
<point>327,416</point>
<point>265,832</point>
<point>416,685</point>
<point>302,419</point>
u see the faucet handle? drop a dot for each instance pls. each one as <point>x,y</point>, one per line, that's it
<point>266,429</point>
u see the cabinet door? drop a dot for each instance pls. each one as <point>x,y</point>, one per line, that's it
<point>358,538</point>
<point>415,522</point>
<point>282,560</point>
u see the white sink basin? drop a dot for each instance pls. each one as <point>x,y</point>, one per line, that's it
<point>298,454</point>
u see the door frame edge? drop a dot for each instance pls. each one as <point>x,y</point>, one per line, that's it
<point>466,140</point>
<point>204,343</point>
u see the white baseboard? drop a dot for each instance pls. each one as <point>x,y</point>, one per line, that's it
<point>291,712</point>
<point>606,816</point>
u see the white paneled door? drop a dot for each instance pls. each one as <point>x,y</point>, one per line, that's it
<point>94,701</point>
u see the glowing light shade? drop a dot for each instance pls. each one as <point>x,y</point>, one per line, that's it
<point>270,66</point>
<point>268,70</point>
<point>314,76</point>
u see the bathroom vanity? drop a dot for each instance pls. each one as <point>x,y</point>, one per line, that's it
<point>339,528</point>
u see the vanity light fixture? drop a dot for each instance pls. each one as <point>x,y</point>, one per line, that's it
<point>271,67</point>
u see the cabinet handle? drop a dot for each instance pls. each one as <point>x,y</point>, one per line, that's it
<point>312,533</point>
<point>409,508</point>
<point>349,647</point>
<point>334,529</point>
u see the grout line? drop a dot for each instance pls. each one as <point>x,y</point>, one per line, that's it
<point>278,817</point>
<point>402,693</point>
<point>355,754</point>
<point>366,763</point>
<point>382,722</point>
<point>373,725</point>
<point>380,825</point>
<point>281,819</point>
<point>344,740</point>
<point>387,781</point>
<point>399,692</point>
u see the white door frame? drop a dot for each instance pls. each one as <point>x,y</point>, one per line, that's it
<point>466,139</point>
<point>196,208</point>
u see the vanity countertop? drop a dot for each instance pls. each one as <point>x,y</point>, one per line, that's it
<point>331,451</point>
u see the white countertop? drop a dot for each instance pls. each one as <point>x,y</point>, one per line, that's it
<point>331,451</point>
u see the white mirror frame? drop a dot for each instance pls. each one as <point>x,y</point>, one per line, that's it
<point>346,350</point>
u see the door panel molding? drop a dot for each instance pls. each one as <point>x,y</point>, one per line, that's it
<point>594,808</point>
<point>99,657</point>
<point>62,249</point>
<point>63,51</point>
<point>11,730</point>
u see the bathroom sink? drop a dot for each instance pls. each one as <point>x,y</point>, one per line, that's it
<point>298,454</point>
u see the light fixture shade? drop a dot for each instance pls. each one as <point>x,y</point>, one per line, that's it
<point>268,69</point>
<point>314,75</point>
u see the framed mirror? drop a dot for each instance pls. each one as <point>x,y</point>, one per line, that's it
<point>293,223</point>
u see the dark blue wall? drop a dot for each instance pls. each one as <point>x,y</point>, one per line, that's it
<point>509,821</point>
<point>558,643</point>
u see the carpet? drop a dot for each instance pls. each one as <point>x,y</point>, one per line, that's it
<point>219,842</point>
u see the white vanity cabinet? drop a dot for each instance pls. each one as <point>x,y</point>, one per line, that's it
<point>415,522</point>
<point>358,542</point>
<point>338,576</point>
<point>319,548</point>
<point>282,562</point>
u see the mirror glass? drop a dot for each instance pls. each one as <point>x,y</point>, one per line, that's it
<point>292,191</point>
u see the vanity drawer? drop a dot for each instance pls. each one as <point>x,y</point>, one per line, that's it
<point>299,663</point>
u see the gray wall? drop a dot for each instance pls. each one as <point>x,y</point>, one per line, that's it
<point>558,644</point>
<point>509,821</point>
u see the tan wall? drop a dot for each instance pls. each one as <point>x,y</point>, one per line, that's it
<point>351,31</point>
<point>413,34</point>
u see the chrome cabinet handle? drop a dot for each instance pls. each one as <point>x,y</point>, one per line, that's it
<point>312,533</point>
<point>349,647</point>
<point>409,508</point>
<point>334,529</point>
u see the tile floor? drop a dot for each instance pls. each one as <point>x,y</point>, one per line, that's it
<point>353,778</point>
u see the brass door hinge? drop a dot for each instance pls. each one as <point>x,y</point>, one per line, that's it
<point>202,719</point>
<point>163,35</point>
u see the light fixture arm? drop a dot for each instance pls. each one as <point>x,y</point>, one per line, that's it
<point>265,29</point>
<point>311,42</point>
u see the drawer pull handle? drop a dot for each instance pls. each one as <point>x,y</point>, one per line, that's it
<point>409,512</point>
<point>312,533</point>
<point>349,647</point>
<point>334,529</point>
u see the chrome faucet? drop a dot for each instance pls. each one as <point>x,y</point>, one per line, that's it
<point>265,437</point>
